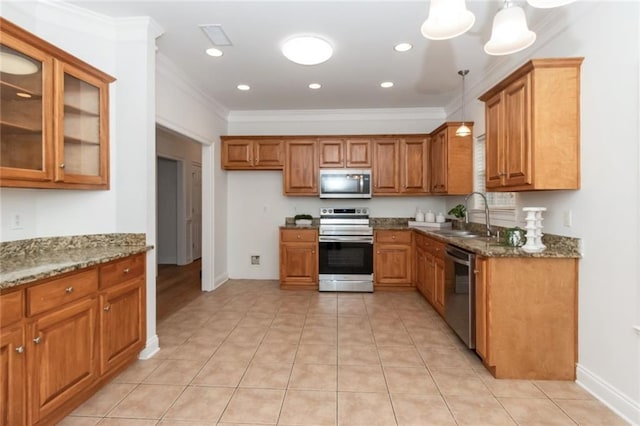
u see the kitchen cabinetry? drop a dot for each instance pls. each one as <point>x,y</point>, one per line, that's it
<point>53,117</point>
<point>451,161</point>
<point>400,166</point>
<point>299,258</point>
<point>526,317</point>
<point>338,153</point>
<point>123,313</point>
<point>301,167</point>
<point>64,338</point>
<point>12,360</point>
<point>246,154</point>
<point>533,127</point>
<point>392,261</point>
<point>429,269</point>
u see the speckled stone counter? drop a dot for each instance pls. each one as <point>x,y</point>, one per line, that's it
<point>557,246</point>
<point>25,261</point>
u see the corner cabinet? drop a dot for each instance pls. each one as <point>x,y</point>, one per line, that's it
<point>242,153</point>
<point>533,127</point>
<point>451,161</point>
<point>54,123</point>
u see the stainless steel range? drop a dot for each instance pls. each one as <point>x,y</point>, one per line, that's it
<point>345,255</point>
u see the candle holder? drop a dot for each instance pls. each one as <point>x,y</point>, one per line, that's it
<point>534,229</point>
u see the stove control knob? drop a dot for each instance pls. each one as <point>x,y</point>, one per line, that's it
<point>358,211</point>
<point>324,211</point>
<point>330,211</point>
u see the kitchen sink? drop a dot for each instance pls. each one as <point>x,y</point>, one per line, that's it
<point>458,233</point>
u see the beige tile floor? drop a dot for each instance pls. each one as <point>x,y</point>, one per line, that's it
<point>249,353</point>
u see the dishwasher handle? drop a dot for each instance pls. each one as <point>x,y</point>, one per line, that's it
<point>459,256</point>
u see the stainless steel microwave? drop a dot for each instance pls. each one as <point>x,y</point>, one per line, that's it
<point>345,183</point>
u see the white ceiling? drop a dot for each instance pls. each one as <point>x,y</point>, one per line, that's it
<point>363,34</point>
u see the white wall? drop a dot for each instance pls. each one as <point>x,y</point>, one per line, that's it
<point>606,209</point>
<point>123,48</point>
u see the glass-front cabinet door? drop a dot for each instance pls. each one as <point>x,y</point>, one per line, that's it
<point>82,133</point>
<point>25,132</point>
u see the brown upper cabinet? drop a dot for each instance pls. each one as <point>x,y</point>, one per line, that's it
<point>243,153</point>
<point>400,165</point>
<point>345,152</point>
<point>54,123</point>
<point>301,167</point>
<point>451,160</point>
<point>533,127</point>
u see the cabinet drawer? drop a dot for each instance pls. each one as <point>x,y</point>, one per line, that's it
<point>11,307</point>
<point>396,237</point>
<point>298,235</point>
<point>41,298</point>
<point>435,247</point>
<point>122,270</point>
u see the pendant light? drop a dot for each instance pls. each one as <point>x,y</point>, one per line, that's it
<point>463,130</point>
<point>447,19</point>
<point>510,33</point>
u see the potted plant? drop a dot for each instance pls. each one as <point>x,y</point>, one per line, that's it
<point>459,211</point>
<point>303,219</point>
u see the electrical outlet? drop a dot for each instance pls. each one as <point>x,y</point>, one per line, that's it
<point>16,221</point>
<point>255,260</point>
<point>567,218</point>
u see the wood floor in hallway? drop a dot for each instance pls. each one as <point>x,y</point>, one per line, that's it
<point>176,287</point>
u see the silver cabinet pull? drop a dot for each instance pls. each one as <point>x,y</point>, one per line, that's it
<point>107,308</point>
<point>20,349</point>
<point>126,270</point>
<point>69,290</point>
<point>62,165</point>
<point>37,340</point>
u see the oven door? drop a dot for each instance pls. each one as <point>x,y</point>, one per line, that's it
<point>345,255</point>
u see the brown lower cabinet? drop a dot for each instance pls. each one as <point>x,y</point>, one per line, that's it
<point>299,259</point>
<point>526,317</point>
<point>429,267</point>
<point>66,337</point>
<point>392,259</point>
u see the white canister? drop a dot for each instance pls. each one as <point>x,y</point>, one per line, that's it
<point>440,218</point>
<point>419,215</point>
<point>430,217</point>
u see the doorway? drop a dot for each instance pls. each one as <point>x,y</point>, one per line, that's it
<point>167,211</point>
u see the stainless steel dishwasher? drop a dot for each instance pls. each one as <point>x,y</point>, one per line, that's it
<point>459,299</point>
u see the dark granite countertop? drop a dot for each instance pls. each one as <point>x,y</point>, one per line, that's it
<point>26,261</point>
<point>557,246</point>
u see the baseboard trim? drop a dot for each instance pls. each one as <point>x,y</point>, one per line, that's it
<point>152,348</point>
<point>219,280</point>
<point>620,403</point>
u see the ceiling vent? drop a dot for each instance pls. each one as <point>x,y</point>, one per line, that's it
<point>216,34</point>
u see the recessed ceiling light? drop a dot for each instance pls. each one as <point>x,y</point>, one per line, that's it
<point>244,87</point>
<point>402,47</point>
<point>212,51</point>
<point>307,50</point>
<point>386,84</point>
<point>315,86</point>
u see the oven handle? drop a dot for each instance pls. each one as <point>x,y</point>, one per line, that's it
<point>346,239</point>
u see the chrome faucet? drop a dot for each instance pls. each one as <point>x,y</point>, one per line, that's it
<point>486,211</point>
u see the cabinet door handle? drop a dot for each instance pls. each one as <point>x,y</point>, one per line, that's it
<point>62,165</point>
<point>68,290</point>
<point>107,308</point>
<point>298,236</point>
<point>126,270</point>
<point>20,349</point>
<point>313,252</point>
<point>37,340</point>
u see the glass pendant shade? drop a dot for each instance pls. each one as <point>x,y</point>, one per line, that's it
<point>447,19</point>
<point>547,4</point>
<point>463,130</point>
<point>510,33</point>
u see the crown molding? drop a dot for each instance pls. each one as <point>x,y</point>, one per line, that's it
<point>263,116</point>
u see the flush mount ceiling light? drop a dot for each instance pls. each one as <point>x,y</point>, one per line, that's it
<point>16,64</point>
<point>243,87</point>
<point>547,4</point>
<point>386,84</point>
<point>447,19</point>
<point>315,86</point>
<point>307,50</point>
<point>510,33</point>
<point>463,130</point>
<point>402,47</point>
